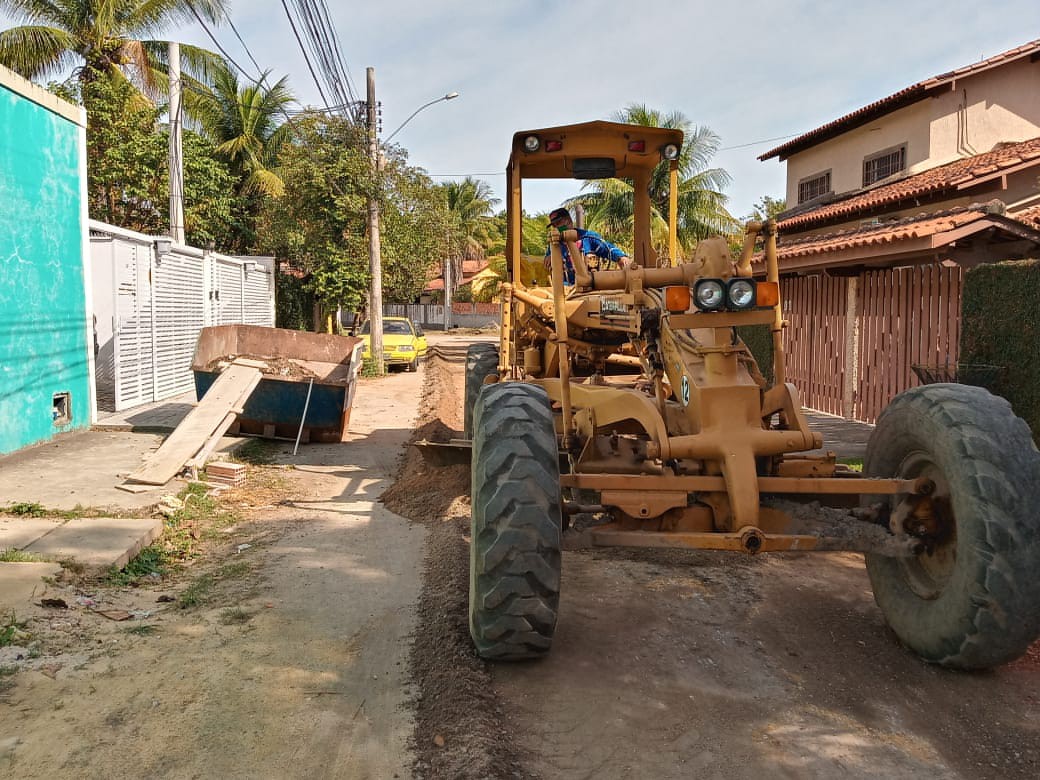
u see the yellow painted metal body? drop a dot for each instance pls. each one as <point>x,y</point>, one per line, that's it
<point>664,415</point>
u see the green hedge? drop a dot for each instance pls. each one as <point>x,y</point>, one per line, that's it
<point>293,303</point>
<point>1000,326</point>
<point>759,340</point>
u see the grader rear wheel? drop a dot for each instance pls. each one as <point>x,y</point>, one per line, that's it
<point>481,362</point>
<point>515,555</point>
<point>971,600</point>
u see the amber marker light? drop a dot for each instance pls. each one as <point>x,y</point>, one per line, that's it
<point>767,294</point>
<point>677,298</point>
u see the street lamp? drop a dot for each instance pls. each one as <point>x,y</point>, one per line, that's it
<point>374,250</point>
<point>449,96</point>
<point>447,261</point>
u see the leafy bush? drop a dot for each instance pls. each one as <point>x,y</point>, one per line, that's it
<point>1000,325</point>
<point>759,340</point>
<point>294,303</point>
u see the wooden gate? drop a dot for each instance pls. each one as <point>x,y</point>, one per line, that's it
<point>853,362</point>
<point>815,309</point>
<point>907,317</point>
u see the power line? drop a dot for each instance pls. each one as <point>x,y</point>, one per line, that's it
<point>756,143</point>
<point>304,50</point>
<point>316,33</point>
<point>260,83</point>
<point>246,48</point>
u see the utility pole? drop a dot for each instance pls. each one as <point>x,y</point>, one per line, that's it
<point>447,285</point>
<point>176,156</point>
<point>375,261</point>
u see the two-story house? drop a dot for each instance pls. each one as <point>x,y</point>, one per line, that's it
<point>886,207</point>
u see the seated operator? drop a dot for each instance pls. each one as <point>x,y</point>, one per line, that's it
<point>589,242</point>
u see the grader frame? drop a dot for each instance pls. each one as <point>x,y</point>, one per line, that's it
<point>632,387</point>
<point>704,437</point>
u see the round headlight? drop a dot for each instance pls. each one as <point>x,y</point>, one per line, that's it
<point>670,152</point>
<point>532,143</point>
<point>741,294</point>
<point>709,294</point>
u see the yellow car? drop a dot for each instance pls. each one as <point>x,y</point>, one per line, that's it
<point>404,342</point>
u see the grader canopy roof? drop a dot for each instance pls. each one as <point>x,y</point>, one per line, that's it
<point>591,150</point>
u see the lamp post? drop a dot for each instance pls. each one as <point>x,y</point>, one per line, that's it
<point>374,249</point>
<point>447,260</point>
<point>449,96</point>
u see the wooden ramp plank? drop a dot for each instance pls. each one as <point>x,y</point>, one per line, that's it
<point>226,395</point>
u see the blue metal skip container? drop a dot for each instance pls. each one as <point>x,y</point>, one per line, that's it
<point>294,358</point>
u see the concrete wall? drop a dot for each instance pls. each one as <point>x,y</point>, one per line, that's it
<point>978,112</point>
<point>463,315</point>
<point>45,339</point>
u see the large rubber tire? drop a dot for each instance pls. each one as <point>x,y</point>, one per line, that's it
<point>481,362</point>
<point>514,592</point>
<point>974,601</point>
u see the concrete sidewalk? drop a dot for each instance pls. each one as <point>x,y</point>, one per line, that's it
<point>94,543</point>
<point>81,471</point>
<point>845,438</point>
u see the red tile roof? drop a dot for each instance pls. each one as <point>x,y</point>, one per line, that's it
<point>922,233</point>
<point>959,174</point>
<point>1030,217</point>
<point>878,235</point>
<point>903,97</point>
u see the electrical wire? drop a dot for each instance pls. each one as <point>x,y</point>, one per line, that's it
<point>243,43</point>
<point>304,50</point>
<point>260,83</point>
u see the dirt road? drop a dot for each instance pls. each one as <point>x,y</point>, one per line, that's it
<point>677,665</point>
<point>295,666</point>
<point>333,642</point>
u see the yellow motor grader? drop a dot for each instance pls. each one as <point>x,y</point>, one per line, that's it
<point>630,395</point>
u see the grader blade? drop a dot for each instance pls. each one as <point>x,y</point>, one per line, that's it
<point>450,453</point>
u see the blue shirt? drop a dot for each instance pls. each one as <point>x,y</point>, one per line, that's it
<point>590,243</point>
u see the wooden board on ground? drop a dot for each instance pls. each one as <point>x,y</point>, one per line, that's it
<point>227,394</point>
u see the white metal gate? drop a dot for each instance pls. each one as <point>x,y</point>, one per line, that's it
<point>180,313</point>
<point>152,298</point>
<point>132,352</point>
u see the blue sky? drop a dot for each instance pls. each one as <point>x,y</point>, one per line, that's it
<point>750,70</point>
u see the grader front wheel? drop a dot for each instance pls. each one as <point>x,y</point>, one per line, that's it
<point>971,599</point>
<point>515,541</point>
<point>481,362</point>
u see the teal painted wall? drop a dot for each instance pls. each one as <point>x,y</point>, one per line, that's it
<point>43,328</point>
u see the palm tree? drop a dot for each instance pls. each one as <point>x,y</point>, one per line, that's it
<point>702,211</point>
<point>245,125</point>
<point>101,37</point>
<point>470,208</point>
<point>470,204</point>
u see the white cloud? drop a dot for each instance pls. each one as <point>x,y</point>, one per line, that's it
<point>750,70</point>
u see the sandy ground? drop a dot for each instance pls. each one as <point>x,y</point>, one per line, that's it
<point>296,667</point>
<point>683,664</point>
<point>339,648</point>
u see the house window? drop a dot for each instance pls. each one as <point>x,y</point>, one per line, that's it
<point>814,186</point>
<point>883,164</point>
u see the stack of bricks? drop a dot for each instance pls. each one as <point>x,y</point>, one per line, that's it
<point>226,473</point>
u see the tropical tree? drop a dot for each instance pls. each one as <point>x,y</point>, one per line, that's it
<point>319,224</point>
<point>246,124</point>
<point>473,229</point>
<point>415,224</point>
<point>765,208</point>
<point>701,202</point>
<point>102,37</point>
<point>127,176</point>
